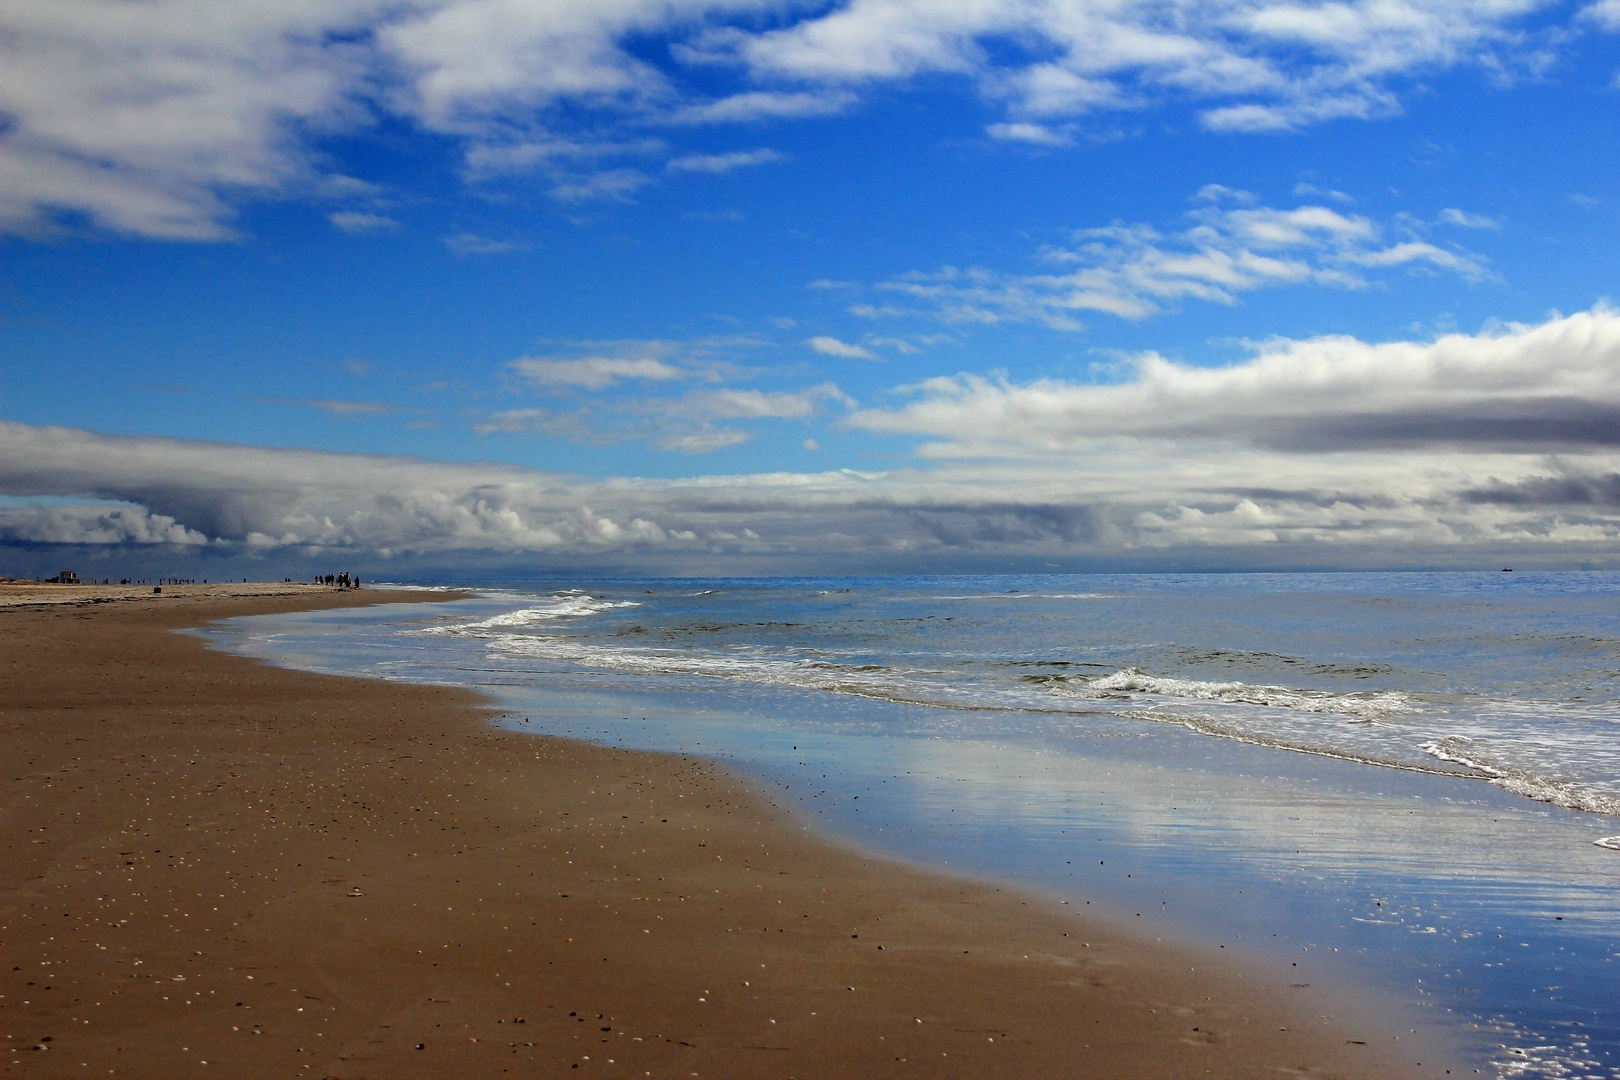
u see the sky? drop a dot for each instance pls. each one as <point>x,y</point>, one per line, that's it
<point>423,287</point>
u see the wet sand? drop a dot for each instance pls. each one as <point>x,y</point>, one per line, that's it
<point>213,867</point>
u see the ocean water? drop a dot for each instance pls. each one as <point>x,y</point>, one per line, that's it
<point>1404,782</point>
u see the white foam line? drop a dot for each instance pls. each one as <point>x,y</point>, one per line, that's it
<point>1366,708</point>
<point>1520,781</point>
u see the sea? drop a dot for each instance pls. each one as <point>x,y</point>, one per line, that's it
<point>1406,784</point>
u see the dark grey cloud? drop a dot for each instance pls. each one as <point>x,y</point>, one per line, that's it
<point>1539,491</point>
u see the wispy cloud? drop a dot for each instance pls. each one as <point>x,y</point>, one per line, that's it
<point>735,404</point>
<point>1462,218</point>
<point>831,346</point>
<point>552,155</point>
<point>1134,271</point>
<point>1024,131</point>
<point>595,372</point>
<point>359,223</point>
<point>756,105</point>
<point>338,407</point>
<point>534,421</point>
<point>705,440</point>
<point>611,184</point>
<point>469,243</point>
<point>723,163</point>
<point>601,364</point>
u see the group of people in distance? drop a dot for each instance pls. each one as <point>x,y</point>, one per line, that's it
<point>342,581</point>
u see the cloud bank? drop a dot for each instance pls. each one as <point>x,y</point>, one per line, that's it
<point>1318,452</point>
<point>1553,388</point>
<point>159,118</point>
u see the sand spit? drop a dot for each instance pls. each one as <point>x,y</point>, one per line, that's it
<point>214,867</point>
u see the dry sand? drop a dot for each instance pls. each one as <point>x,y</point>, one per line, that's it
<point>214,867</point>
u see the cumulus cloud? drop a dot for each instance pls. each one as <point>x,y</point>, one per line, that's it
<point>1134,271</point>
<point>158,119</point>
<point>98,524</point>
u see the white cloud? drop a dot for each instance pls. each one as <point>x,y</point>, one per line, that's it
<point>595,372</point>
<point>92,523</point>
<point>531,420</point>
<point>612,184</point>
<point>147,118</point>
<point>757,105</point>
<point>1134,271</point>
<point>1296,64</point>
<point>1546,388</point>
<point>831,346</point>
<point>158,118</point>
<point>899,345</point>
<point>724,163</point>
<point>360,223</point>
<point>338,407</point>
<point>1026,132</point>
<point>1329,452</point>
<point>556,156</point>
<point>1308,190</point>
<point>1605,13</point>
<point>1452,216</point>
<point>705,440</point>
<point>469,243</point>
<point>733,404</point>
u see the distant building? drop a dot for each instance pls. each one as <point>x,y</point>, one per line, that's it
<point>66,577</point>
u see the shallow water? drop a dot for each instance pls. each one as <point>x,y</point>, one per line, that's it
<point>1402,781</point>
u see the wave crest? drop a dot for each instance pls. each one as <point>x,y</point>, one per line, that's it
<point>1362,707</point>
<point>561,606</point>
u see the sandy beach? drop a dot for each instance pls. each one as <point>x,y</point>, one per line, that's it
<point>214,867</point>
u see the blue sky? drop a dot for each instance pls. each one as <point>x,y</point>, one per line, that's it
<point>875,283</point>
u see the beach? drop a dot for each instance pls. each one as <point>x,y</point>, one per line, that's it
<point>216,866</point>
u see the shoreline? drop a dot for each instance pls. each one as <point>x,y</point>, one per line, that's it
<point>506,899</point>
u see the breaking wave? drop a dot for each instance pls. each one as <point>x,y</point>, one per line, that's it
<point>1362,707</point>
<point>570,605</point>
